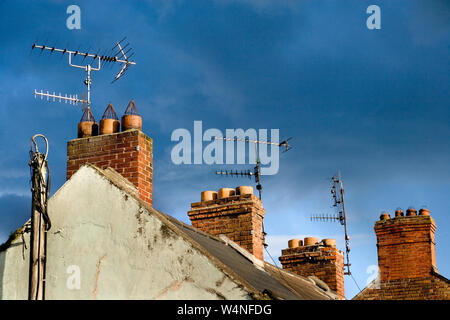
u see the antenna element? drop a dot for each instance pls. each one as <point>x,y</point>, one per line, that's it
<point>119,57</point>
<point>337,191</point>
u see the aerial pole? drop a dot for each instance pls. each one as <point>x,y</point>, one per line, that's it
<point>347,238</point>
<point>337,190</point>
<point>256,170</point>
<point>40,222</point>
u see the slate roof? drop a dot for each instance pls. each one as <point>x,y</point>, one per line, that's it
<point>274,282</point>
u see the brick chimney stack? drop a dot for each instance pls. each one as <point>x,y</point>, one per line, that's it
<point>238,214</point>
<point>406,247</point>
<point>129,152</point>
<point>406,259</point>
<point>313,258</point>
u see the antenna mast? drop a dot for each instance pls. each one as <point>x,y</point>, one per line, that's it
<point>257,169</point>
<point>120,56</point>
<point>337,190</point>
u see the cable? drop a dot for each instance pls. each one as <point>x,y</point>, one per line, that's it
<point>40,193</point>
<point>355,283</point>
<point>279,270</point>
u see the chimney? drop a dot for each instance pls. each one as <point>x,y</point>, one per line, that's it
<point>313,258</point>
<point>129,152</point>
<point>236,213</point>
<point>406,247</point>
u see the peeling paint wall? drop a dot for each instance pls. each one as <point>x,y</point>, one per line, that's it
<point>116,249</point>
<point>14,266</point>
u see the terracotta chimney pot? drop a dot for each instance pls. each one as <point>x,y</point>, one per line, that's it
<point>329,242</point>
<point>109,123</point>
<point>208,195</point>
<point>294,243</point>
<point>399,213</point>
<point>424,212</point>
<point>411,212</point>
<point>108,126</point>
<point>131,121</point>
<point>87,129</point>
<point>385,216</point>
<point>311,241</point>
<point>131,118</point>
<point>226,192</point>
<point>244,190</point>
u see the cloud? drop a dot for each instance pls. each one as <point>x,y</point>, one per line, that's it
<point>18,192</point>
<point>429,22</point>
<point>265,6</point>
<point>14,173</point>
<point>15,211</point>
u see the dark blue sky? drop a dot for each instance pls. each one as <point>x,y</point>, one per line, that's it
<point>372,103</point>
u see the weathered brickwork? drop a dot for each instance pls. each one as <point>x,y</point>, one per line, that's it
<point>406,247</point>
<point>432,287</point>
<point>130,153</point>
<point>406,260</point>
<point>239,217</point>
<point>324,262</point>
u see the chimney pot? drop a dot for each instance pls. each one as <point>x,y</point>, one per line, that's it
<point>424,212</point>
<point>294,243</point>
<point>108,126</point>
<point>208,195</point>
<point>244,190</point>
<point>311,241</point>
<point>384,216</point>
<point>329,242</point>
<point>226,192</point>
<point>399,212</point>
<point>411,212</point>
<point>131,118</point>
<point>131,121</point>
<point>109,123</point>
<point>87,127</point>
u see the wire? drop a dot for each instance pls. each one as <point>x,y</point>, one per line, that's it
<point>40,193</point>
<point>356,283</point>
<point>274,263</point>
<point>286,283</point>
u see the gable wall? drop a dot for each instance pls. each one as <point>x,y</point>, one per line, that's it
<point>119,249</point>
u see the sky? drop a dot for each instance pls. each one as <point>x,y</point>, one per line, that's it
<point>374,104</point>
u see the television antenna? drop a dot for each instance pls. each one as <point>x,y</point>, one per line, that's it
<point>257,169</point>
<point>337,191</point>
<point>122,56</point>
